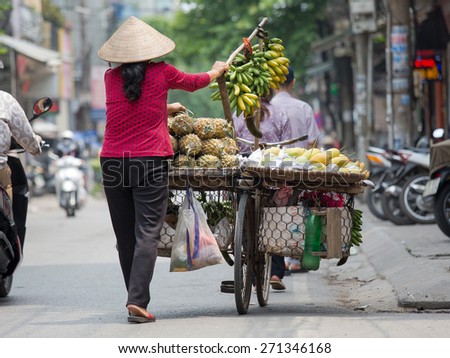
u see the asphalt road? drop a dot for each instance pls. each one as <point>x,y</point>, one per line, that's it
<point>70,286</point>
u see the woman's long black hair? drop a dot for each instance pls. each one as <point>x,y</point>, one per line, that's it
<point>133,74</point>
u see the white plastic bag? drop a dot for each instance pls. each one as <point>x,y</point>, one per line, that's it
<point>194,245</point>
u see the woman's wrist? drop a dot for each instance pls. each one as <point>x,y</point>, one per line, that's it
<point>213,74</point>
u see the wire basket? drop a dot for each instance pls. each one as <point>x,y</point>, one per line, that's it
<point>222,224</point>
<point>282,230</point>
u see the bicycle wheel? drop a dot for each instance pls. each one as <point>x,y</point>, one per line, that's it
<point>244,238</point>
<point>263,268</point>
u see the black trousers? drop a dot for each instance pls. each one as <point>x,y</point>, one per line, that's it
<point>137,192</point>
<point>278,266</point>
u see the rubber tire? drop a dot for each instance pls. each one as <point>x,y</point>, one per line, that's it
<point>442,199</point>
<point>244,241</point>
<point>427,218</point>
<point>263,269</point>
<point>393,212</point>
<point>5,285</point>
<point>70,212</point>
<point>374,200</point>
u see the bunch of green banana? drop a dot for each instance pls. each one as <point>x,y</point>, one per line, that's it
<point>357,228</point>
<point>276,63</point>
<point>247,80</point>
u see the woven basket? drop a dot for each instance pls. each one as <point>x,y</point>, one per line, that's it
<point>203,178</point>
<point>308,179</point>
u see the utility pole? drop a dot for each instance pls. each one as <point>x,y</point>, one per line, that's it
<point>400,71</point>
<point>361,94</point>
<point>83,117</point>
<point>388,57</point>
<point>363,20</point>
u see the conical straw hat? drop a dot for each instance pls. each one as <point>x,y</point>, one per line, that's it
<point>135,41</point>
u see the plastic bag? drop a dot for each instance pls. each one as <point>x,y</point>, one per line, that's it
<point>194,245</point>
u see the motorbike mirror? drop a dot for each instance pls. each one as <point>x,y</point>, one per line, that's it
<point>41,106</point>
<point>438,133</point>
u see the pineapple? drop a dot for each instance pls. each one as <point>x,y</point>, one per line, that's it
<point>190,144</point>
<point>174,142</point>
<point>209,161</point>
<point>184,161</point>
<point>204,128</point>
<point>212,146</point>
<point>169,125</point>
<point>229,161</point>
<point>181,124</point>
<point>222,128</point>
<point>229,146</point>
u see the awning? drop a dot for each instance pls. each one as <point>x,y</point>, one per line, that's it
<point>330,41</point>
<point>41,54</point>
<point>318,69</point>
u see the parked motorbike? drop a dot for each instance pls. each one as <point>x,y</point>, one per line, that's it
<point>379,165</point>
<point>13,217</point>
<point>414,162</point>
<point>438,187</point>
<point>413,203</point>
<point>390,171</point>
<point>71,184</point>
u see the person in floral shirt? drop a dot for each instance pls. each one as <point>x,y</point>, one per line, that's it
<point>14,124</point>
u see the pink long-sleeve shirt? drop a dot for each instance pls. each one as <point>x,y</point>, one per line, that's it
<point>139,128</point>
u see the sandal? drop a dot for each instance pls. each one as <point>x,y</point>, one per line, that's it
<point>138,314</point>
<point>277,283</point>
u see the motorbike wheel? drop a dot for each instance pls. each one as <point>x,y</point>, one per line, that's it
<point>70,212</point>
<point>442,209</point>
<point>413,204</point>
<point>5,285</point>
<point>392,210</point>
<point>373,199</point>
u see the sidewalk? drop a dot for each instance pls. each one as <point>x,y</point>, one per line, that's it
<point>415,259</point>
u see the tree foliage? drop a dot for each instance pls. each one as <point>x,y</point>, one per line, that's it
<point>206,31</point>
<point>213,29</point>
<point>5,11</point>
<point>52,13</point>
